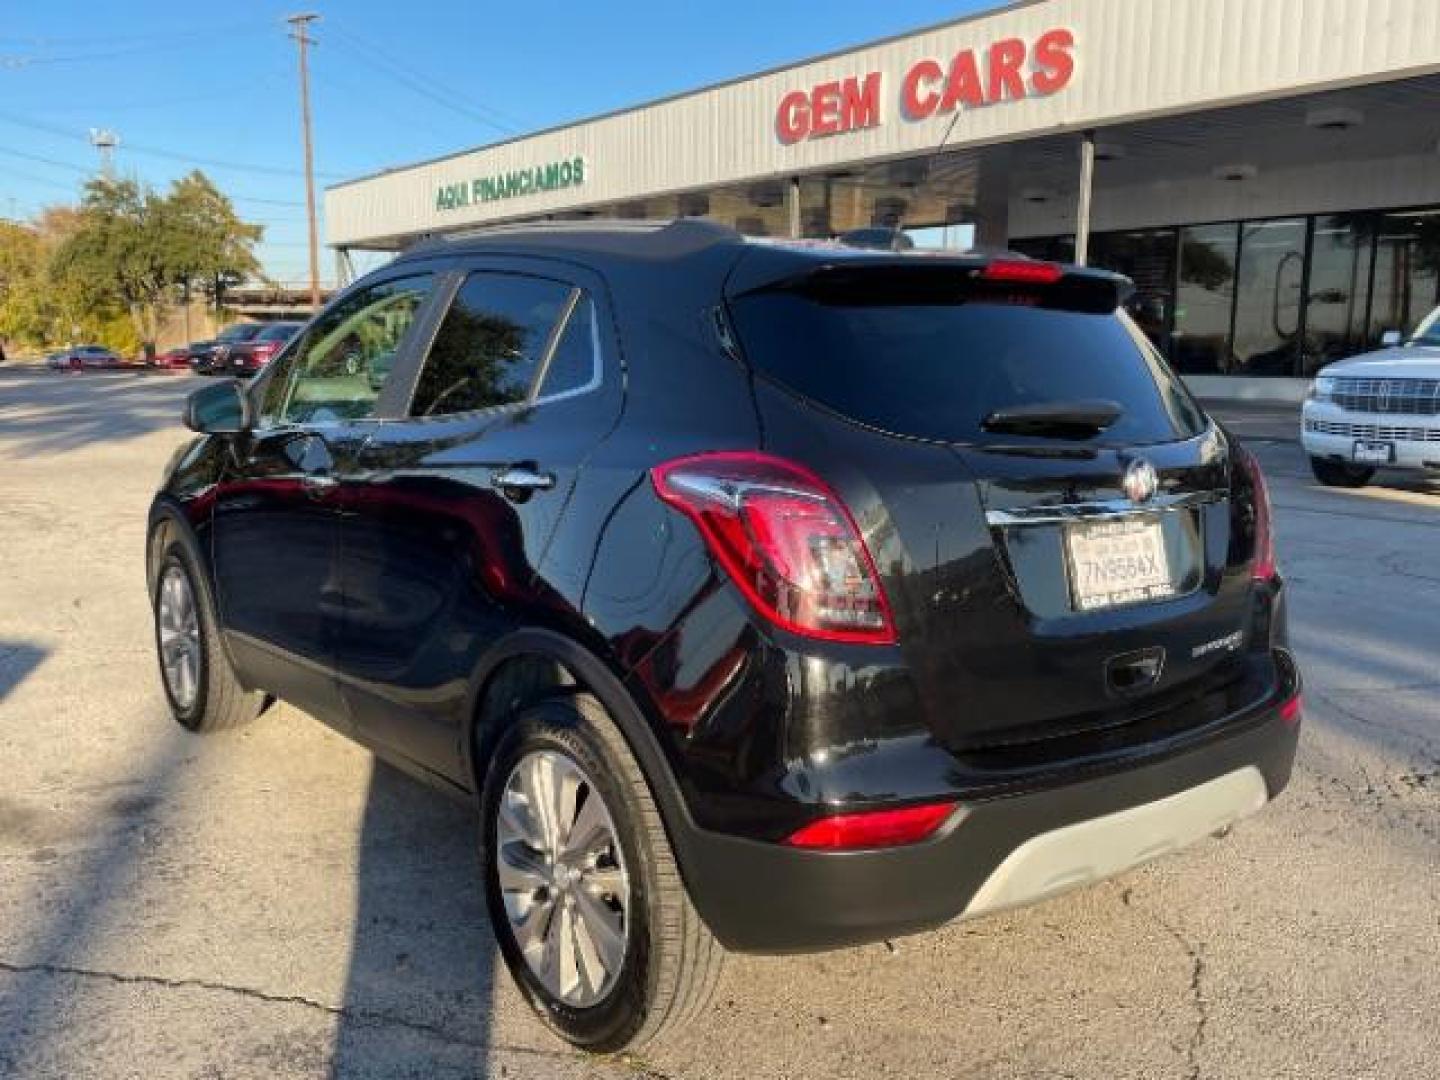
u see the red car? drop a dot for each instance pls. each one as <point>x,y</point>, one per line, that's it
<point>178,357</point>
<point>248,357</point>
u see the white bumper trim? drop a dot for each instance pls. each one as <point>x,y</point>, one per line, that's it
<point>1090,851</point>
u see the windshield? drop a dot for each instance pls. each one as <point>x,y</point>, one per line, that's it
<point>278,332</point>
<point>933,364</point>
<point>1428,332</point>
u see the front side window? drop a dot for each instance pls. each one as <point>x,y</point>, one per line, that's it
<point>492,343</point>
<point>338,368</point>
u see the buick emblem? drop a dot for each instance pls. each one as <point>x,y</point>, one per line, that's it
<point>1141,481</point>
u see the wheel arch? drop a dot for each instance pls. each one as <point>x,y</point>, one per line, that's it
<point>546,663</point>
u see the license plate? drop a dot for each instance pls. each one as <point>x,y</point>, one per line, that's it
<point>1374,453</point>
<point>1113,563</point>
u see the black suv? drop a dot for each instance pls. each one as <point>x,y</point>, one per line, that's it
<point>765,596</point>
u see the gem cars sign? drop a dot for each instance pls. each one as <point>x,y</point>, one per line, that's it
<point>551,176</point>
<point>1011,69</point>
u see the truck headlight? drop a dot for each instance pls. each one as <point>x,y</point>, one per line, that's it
<point>1322,388</point>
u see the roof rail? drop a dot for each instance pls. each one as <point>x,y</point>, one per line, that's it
<point>695,230</point>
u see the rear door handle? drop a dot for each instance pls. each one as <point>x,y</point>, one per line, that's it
<point>522,478</point>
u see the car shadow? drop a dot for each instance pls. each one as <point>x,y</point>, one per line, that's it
<point>420,984</point>
<point>17,660</point>
<point>50,412</point>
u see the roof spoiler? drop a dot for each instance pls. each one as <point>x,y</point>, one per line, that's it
<point>919,279</point>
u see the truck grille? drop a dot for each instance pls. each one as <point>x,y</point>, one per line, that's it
<point>1374,431</point>
<point>1415,397</point>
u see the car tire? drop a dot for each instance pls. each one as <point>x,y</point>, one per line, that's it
<point>669,963</point>
<point>1340,473</point>
<point>195,671</point>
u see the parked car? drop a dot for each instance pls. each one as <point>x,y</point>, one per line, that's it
<point>247,357</point>
<point>761,596</point>
<point>1377,411</point>
<point>170,359</point>
<point>211,357</point>
<point>79,357</point>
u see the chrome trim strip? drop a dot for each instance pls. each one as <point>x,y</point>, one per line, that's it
<point>1055,514</point>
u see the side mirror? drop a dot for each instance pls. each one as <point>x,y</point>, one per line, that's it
<point>222,409</point>
<point>1391,339</point>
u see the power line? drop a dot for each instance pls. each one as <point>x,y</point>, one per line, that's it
<point>84,170</point>
<point>152,151</point>
<point>137,44</point>
<point>152,103</point>
<point>33,179</point>
<point>152,37</point>
<point>425,86</point>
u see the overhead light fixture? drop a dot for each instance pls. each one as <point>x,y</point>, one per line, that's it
<point>1235,174</point>
<point>1034,196</point>
<point>1109,151</point>
<point>1340,118</point>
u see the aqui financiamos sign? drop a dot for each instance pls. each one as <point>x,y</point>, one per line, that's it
<point>1011,69</point>
<point>549,176</point>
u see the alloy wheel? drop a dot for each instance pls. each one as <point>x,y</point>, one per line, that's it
<point>179,622</point>
<point>562,877</point>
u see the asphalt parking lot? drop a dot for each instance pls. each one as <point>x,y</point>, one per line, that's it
<point>272,903</point>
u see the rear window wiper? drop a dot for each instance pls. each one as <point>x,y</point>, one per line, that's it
<point>1055,419</point>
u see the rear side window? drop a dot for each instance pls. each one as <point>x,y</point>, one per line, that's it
<point>490,346</point>
<point>925,356</point>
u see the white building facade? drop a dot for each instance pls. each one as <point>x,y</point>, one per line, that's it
<point>1268,173</point>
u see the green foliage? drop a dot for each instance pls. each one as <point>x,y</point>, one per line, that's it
<point>103,271</point>
<point>204,242</point>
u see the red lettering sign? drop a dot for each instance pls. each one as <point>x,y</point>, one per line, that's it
<point>829,109</point>
<point>1053,62</point>
<point>1011,70</point>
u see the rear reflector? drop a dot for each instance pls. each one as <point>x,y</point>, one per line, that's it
<point>786,540</point>
<point>872,828</point>
<point>1291,711</point>
<point>1022,271</point>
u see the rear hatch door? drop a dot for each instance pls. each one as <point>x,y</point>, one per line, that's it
<point>1050,511</point>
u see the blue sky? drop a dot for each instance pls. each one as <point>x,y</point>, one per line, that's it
<point>186,84</point>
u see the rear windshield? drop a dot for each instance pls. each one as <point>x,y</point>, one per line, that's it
<point>240,332</point>
<point>933,362</point>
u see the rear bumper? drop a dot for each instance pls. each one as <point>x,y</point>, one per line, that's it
<point>998,852</point>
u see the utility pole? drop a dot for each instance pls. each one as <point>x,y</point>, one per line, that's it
<point>301,23</point>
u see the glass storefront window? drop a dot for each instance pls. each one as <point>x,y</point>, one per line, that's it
<point>1267,299</point>
<point>1201,340</point>
<point>1146,257</point>
<point>1338,290</point>
<point>1407,272</point>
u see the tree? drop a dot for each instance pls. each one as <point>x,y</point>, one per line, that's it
<point>205,244</point>
<point>133,248</point>
<point>115,253</point>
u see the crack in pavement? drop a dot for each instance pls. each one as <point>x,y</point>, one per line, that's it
<point>1196,955</point>
<point>359,1017</point>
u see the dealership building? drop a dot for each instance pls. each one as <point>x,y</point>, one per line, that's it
<point>1268,173</point>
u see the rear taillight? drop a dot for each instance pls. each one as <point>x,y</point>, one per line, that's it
<point>1023,271</point>
<point>872,828</point>
<point>1263,568</point>
<point>1292,709</point>
<point>786,540</point>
